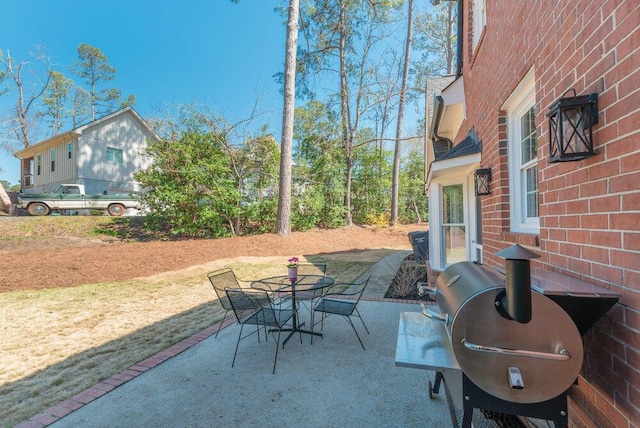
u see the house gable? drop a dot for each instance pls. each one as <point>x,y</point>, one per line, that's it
<point>85,155</point>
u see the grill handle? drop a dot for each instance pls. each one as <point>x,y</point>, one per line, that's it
<point>434,315</point>
<point>562,355</point>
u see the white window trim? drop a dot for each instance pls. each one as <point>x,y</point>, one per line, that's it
<point>479,20</point>
<point>437,258</point>
<point>115,149</point>
<point>518,103</point>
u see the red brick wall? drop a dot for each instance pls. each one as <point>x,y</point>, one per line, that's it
<point>590,209</point>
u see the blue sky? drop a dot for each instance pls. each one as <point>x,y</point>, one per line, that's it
<point>166,51</point>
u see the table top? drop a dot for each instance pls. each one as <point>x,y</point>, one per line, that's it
<point>303,283</point>
<point>423,343</point>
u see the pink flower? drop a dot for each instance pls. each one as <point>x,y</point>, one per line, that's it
<point>293,262</point>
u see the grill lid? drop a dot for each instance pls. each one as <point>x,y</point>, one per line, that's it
<point>546,352</point>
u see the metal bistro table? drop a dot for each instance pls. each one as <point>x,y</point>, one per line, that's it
<point>282,284</point>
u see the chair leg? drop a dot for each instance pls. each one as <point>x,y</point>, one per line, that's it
<point>312,312</point>
<point>275,359</point>
<point>220,323</point>
<point>237,344</point>
<point>355,331</point>
<point>359,316</point>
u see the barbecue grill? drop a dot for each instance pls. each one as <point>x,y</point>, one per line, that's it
<point>496,345</point>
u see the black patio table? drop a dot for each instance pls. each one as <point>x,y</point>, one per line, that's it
<point>282,284</point>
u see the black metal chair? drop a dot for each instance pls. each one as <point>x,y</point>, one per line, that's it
<point>253,307</point>
<point>343,303</point>
<point>221,280</point>
<point>310,295</point>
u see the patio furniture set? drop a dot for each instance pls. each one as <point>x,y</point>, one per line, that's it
<point>272,304</point>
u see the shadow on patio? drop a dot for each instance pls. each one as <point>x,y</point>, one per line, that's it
<point>328,384</point>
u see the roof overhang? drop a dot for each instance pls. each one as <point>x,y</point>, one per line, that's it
<point>34,149</point>
<point>449,111</point>
<point>454,167</point>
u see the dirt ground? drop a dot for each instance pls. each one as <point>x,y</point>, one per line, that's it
<point>64,259</point>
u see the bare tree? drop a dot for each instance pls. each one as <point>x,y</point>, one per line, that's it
<point>342,37</point>
<point>3,75</point>
<point>283,219</point>
<point>403,90</point>
<point>436,39</point>
<point>24,119</point>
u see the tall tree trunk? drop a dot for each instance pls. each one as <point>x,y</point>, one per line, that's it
<point>347,139</point>
<point>449,48</point>
<point>347,195</point>
<point>283,220</point>
<point>395,184</point>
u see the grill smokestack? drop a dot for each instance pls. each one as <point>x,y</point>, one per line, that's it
<point>517,302</point>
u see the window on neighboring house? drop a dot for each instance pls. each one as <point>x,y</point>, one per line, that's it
<point>453,227</point>
<point>69,150</point>
<point>39,164</point>
<point>114,155</point>
<point>523,161</point>
<point>479,19</point>
<point>53,160</point>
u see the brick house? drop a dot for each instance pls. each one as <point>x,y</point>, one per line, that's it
<point>517,58</point>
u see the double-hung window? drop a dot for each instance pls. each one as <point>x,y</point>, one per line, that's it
<point>53,160</point>
<point>523,160</point>
<point>114,155</point>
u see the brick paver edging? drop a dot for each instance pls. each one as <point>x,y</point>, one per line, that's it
<point>62,409</point>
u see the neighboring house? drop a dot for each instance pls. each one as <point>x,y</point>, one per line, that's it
<point>517,59</point>
<point>103,155</point>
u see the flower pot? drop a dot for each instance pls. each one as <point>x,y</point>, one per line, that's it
<point>293,274</point>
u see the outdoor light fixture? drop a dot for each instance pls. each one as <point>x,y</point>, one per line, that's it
<point>570,123</point>
<point>482,178</point>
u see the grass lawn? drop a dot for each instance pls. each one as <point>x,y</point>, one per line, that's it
<point>59,342</point>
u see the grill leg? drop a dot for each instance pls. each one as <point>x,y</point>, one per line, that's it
<point>436,386</point>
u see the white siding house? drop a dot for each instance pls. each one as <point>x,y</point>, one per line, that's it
<point>103,155</point>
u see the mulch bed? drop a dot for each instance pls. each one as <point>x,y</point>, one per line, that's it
<point>405,282</point>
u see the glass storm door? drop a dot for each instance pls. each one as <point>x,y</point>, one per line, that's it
<point>453,227</point>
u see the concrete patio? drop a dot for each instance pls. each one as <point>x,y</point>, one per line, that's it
<point>330,383</point>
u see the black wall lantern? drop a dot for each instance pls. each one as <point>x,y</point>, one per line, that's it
<point>482,178</point>
<point>570,123</point>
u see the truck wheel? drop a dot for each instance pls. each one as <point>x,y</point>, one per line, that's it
<point>116,210</point>
<point>38,209</point>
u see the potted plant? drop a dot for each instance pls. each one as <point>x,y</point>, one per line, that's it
<point>293,269</point>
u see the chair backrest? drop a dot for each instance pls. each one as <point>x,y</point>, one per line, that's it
<point>353,290</point>
<point>221,280</point>
<point>246,302</point>
<point>358,289</point>
<point>312,269</point>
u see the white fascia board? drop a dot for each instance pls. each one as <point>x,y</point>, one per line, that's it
<point>460,166</point>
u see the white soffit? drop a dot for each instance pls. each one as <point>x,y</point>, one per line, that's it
<point>454,110</point>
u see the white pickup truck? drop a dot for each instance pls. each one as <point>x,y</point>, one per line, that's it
<point>73,197</point>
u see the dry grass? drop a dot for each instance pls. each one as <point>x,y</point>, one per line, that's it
<point>101,329</point>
